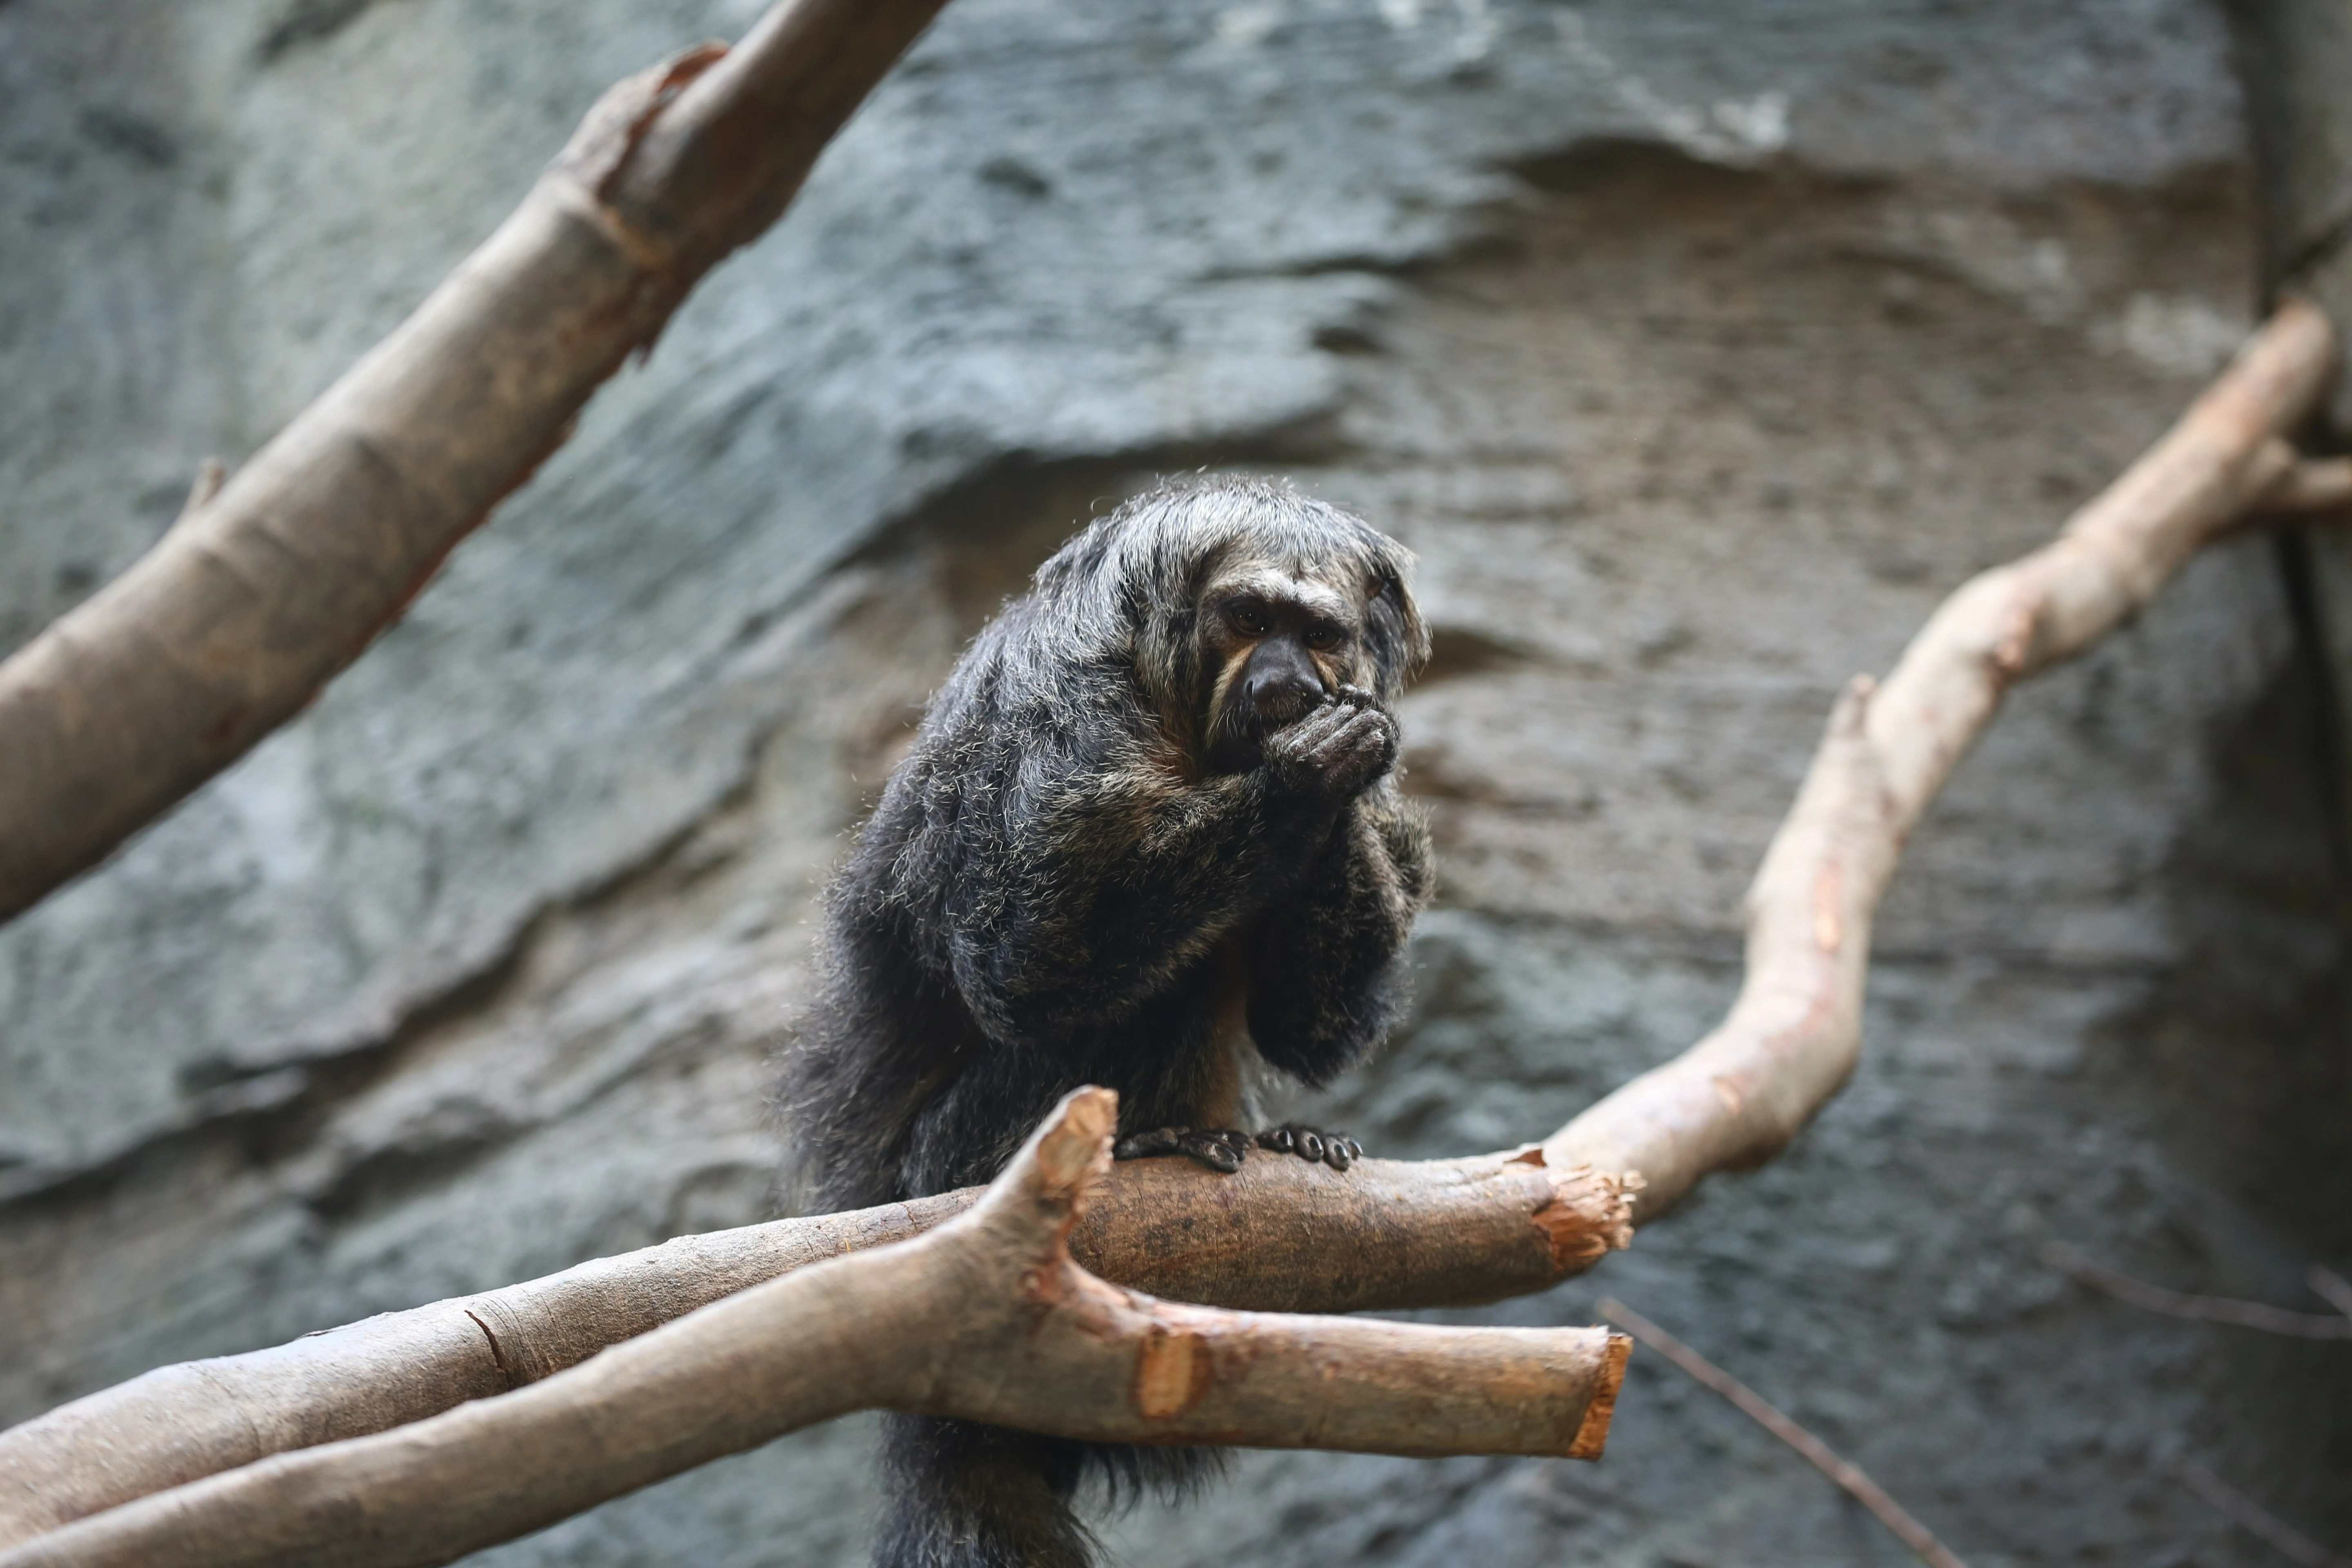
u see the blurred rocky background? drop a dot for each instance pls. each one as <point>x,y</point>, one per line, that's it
<point>1699,348</point>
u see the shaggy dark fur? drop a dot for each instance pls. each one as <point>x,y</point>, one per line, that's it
<point>1060,887</point>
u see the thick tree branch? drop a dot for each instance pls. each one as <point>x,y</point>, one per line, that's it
<point>1282,1234</point>
<point>985,1318</point>
<point>264,592</point>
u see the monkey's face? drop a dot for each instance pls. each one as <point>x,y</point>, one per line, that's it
<point>1275,645</point>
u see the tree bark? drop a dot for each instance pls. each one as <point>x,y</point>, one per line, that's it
<point>264,592</point>
<point>985,1318</point>
<point>1281,1234</point>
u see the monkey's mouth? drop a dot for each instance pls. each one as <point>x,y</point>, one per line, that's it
<point>1237,735</point>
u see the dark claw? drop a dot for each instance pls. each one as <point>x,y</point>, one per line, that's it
<point>1213,1151</point>
<point>1312,1145</point>
<point>1144,1145</point>
<point>1222,1150</point>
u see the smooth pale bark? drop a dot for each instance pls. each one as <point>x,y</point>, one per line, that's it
<point>986,1318</point>
<point>1281,1236</point>
<point>266,590</point>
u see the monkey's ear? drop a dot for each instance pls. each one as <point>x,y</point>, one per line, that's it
<point>1400,642</point>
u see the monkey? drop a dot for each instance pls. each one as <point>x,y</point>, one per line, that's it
<point>1147,836</point>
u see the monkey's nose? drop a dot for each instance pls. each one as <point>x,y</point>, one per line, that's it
<point>1282,691</point>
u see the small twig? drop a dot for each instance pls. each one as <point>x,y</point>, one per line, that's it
<point>1753,1406</point>
<point>2331,1288</point>
<point>2201,1308</point>
<point>211,474</point>
<point>2310,485</point>
<point>2257,1520</point>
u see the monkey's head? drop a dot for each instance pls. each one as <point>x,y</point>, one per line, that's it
<point>1278,639</point>
<point>1242,604</point>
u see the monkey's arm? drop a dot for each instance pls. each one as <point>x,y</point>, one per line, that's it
<point>1114,874</point>
<point>1324,976</point>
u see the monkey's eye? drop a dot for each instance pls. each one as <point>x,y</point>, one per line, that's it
<point>1247,619</point>
<point>1323,639</point>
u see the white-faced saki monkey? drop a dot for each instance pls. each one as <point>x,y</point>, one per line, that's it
<point>1148,836</point>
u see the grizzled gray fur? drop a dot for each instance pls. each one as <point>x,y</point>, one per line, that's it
<point>1148,836</point>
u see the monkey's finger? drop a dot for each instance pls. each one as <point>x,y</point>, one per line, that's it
<point>1318,725</point>
<point>1335,1153</point>
<point>1212,1152</point>
<point>1357,697</point>
<point>1367,732</point>
<point>1277,1139</point>
<point>1144,1145</point>
<point>1355,1150</point>
<point>1310,1145</point>
<point>1328,741</point>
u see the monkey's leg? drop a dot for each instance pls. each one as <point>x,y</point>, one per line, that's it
<point>967,1496</point>
<point>1312,1145</point>
<point>1221,1149</point>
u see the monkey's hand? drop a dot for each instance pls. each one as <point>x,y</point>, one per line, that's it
<point>1336,752</point>
<point>1222,1150</point>
<point>1312,1145</point>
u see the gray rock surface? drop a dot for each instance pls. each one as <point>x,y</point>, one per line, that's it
<point>1697,349</point>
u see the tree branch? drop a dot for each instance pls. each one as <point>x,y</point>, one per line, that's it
<point>2257,1520</point>
<point>2311,485</point>
<point>1816,1453</point>
<point>263,593</point>
<point>2150,1298</point>
<point>1736,1098</point>
<point>986,1318</point>
<point>1280,1234</point>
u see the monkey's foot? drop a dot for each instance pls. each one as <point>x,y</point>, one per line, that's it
<point>1221,1149</point>
<point>1312,1145</point>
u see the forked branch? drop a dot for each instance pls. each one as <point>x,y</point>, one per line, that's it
<point>985,1318</point>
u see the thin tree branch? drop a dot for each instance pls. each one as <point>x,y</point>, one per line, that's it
<point>1282,1234</point>
<point>2200,1309</point>
<point>986,1318</point>
<point>1752,1404</point>
<point>211,474</point>
<point>262,594</point>
<point>2257,1520</point>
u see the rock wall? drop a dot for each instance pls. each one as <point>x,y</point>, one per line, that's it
<point>1697,349</point>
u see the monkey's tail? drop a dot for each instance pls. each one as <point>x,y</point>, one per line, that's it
<point>967,1496</point>
<point>962,1495</point>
